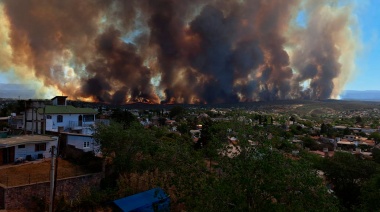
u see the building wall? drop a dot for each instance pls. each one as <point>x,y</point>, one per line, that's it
<point>78,142</point>
<point>49,125</point>
<point>66,120</point>
<point>17,122</point>
<point>52,124</point>
<point>30,150</point>
<point>33,120</point>
<point>31,114</point>
<point>59,101</point>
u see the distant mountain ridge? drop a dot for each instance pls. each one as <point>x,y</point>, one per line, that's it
<point>368,95</point>
<point>14,91</point>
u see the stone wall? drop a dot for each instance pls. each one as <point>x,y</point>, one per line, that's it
<point>27,196</point>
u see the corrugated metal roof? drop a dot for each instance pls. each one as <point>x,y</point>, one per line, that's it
<point>5,118</point>
<point>69,109</point>
<point>144,201</point>
<point>25,139</point>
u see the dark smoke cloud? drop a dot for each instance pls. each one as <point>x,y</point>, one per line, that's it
<point>215,57</point>
<point>118,64</point>
<point>188,51</point>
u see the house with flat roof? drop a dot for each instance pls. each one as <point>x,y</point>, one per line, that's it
<point>83,142</point>
<point>60,117</point>
<point>25,147</point>
<point>68,118</point>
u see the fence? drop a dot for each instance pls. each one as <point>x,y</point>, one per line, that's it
<point>27,178</point>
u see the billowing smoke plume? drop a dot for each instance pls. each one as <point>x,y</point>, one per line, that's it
<point>187,51</point>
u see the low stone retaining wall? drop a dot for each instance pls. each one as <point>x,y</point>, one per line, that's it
<point>26,196</point>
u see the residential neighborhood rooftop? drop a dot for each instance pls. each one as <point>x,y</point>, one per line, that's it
<point>69,109</point>
<point>59,97</point>
<point>19,140</point>
<point>77,134</point>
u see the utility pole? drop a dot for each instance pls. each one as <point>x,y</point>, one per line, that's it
<point>32,120</point>
<point>44,121</point>
<point>52,177</point>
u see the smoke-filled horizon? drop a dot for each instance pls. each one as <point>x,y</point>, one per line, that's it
<point>183,51</point>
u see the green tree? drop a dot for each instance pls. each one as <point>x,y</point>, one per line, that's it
<point>310,143</point>
<point>260,179</point>
<point>162,121</point>
<point>124,117</point>
<point>375,123</point>
<point>375,136</point>
<point>347,173</point>
<point>177,112</point>
<point>327,129</point>
<point>206,136</point>
<point>13,107</point>
<point>323,128</point>
<point>358,120</point>
<point>376,155</point>
<point>183,128</point>
<point>346,131</point>
<point>370,193</point>
<point>122,145</point>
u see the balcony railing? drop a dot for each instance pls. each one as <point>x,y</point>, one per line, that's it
<point>80,125</point>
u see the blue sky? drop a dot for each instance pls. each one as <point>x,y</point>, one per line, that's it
<point>367,74</point>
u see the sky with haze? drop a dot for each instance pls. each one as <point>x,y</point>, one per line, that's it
<point>190,51</point>
<point>367,73</point>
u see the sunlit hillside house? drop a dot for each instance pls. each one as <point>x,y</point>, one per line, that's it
<point>63,117</point>
<point>57,116</point>
<point>25,147</point>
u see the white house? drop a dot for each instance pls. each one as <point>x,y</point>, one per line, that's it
<point>26,147</point>
<point>63,117</point>
<point>55,115</point>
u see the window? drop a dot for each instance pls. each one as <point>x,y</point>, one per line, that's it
<point>59,118</point>
<point>21,146</point>
<point>48,117</point>
<point>88,118</point>
<point>86,144</point>
<point>40,147</point>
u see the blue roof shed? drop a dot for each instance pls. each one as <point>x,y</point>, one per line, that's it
<point>152,200</point>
